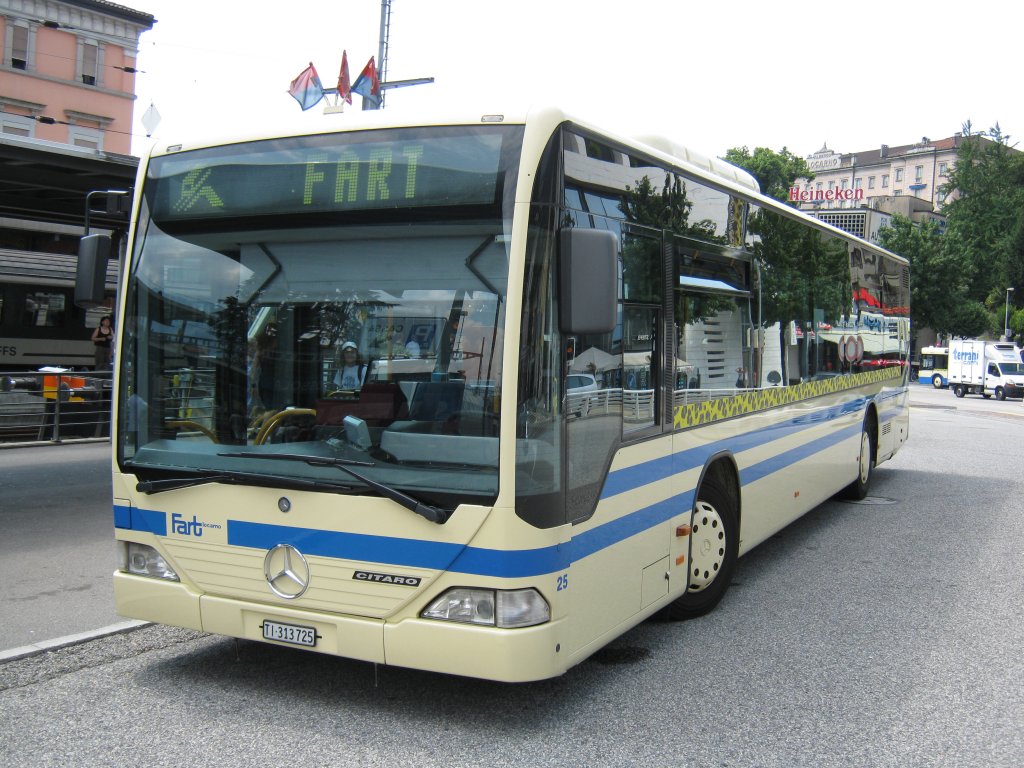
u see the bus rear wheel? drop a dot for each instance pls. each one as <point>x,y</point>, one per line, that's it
<point>714,545</point>
<point>937,382</point>
<point>858,489</point>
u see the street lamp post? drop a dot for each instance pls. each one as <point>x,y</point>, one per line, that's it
<point>1006,321</point>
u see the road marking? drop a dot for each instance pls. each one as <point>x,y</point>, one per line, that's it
<point>63,642</point>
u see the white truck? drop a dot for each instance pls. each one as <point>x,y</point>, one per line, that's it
<point>985,368</point>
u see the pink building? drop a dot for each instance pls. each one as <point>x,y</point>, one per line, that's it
<point>68,71</point>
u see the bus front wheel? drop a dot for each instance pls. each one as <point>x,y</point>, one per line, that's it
<point>714,544</point>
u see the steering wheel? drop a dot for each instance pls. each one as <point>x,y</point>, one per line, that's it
<point>271,424</point>
<point>191,425</point>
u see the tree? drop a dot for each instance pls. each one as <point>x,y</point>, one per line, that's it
<point>984,219</point>
<point>803,275</point>
<point>775,171</point>
<point>938,280</point>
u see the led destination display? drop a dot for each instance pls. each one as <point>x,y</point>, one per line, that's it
<point>330,173</point>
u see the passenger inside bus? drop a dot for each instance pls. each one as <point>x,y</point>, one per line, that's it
<point>351,374</point>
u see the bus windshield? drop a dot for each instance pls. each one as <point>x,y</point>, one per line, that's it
<point>337,299</point>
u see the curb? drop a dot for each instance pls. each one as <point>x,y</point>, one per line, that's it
<point>63,642</point>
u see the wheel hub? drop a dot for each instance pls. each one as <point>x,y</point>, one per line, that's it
<point>707,546</point>
<point>865,457</point>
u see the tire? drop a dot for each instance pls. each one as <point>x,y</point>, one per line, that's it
<point>1000,393</point>
<point>958,390</point>
<point>714,546</point>
<point>858,489</point>
<point>937,382</point>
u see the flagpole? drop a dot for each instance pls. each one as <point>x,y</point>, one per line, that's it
<point>382,49</point>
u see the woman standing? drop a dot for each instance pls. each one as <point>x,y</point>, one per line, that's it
<point>102,338</point>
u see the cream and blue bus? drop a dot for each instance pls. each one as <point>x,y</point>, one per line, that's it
<point>934,368</point>
<point>464,504</point>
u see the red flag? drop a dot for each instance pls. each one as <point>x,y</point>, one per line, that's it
<point>367,84</point>
<point>344,84</point>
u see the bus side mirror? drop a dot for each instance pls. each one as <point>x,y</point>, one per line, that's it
<point>91,277</point>
<point>588,280</point>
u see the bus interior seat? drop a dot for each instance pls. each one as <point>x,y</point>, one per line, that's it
<point>438,430</point>
<point>436,401</point>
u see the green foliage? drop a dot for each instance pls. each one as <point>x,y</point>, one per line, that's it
<point>938,281</point>
<point>775,171</point>
<point>984,220</point>
<point>668,209</point>
<point>800,271</point>
<point>972,319</point>
<point>1017,323</point>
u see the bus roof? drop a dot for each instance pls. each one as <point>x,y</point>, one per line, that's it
<point>543,119</point>
<point>374,119</point>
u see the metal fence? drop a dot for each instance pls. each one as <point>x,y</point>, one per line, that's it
<point>54,406</point>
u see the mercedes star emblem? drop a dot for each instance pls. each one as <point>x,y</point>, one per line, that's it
<point>286,571</point>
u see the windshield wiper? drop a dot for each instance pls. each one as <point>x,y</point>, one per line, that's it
<point>245,478</point>
<point>173,483</point>
<point>430,512</point>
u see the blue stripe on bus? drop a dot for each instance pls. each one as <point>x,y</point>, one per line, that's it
<point>769,466</point>
<point>603,536</point>
<point>631,478</point>
<point>122,516</point>
<point>412,553</point>
<point>135,519</point>
<point>459,558</point>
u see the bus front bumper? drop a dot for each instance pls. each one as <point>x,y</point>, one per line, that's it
<point>507,655</point>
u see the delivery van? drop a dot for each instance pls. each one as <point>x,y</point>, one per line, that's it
<point>985,368</point>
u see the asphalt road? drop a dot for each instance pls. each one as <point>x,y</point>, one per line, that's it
<point>879,634</point>
<point>57,551</point>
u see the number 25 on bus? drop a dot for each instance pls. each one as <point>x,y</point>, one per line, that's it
<point>583,374</point>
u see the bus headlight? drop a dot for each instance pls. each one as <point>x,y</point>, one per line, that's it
<point>143,560</point>
<point>493,608</point>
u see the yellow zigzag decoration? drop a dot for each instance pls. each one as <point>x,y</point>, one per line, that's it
<point>694,414</point>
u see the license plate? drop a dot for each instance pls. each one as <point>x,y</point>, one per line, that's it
<point>289,633</point>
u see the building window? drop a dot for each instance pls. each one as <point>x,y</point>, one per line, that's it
<point>831,185</point>
<point>885,181</point>
<point>897,192</point>
<point>941,196</point>
<point>918,173</point>
<point>17,41</point>
<point>87,138</point>
<point>17,125</point>
<point>899,175</point>
<point>943,169</point>
<point>871,182</point>
<point>858,183</point>
<point>89,62</point>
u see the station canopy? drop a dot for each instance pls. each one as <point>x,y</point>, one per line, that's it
<point>45,181</point>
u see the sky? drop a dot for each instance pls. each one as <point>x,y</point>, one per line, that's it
<point>709,75</point>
